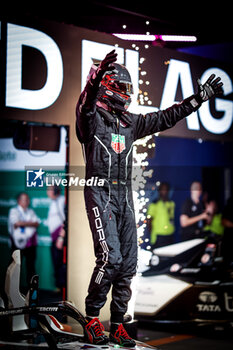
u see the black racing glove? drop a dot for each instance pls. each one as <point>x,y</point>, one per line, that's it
<point>212,87</point>
<point>106,65</point>
<point>91,89</point>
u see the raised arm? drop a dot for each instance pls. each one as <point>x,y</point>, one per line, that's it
<point>86,106</point>
<point>159,121</point>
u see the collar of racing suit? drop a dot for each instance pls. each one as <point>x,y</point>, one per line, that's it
<point>109,117</point>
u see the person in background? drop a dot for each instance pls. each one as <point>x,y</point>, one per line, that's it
<point>22,226</point>
<point>55,222</point>
<point>160,216</point>
<point>193,214</point>
<point>227,221</point>
<point>215,219</point>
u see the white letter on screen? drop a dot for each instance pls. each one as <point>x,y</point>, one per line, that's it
<point>17,36</point>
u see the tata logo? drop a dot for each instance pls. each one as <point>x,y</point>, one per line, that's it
<point>208,308</point>
<point>208,297</point>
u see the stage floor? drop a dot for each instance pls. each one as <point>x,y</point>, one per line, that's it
<point>183,340</point>
<point>174,338</point>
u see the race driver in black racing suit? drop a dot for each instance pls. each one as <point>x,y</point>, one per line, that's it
<point>107,132</point>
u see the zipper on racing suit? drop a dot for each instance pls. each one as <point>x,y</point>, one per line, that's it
<point>120,180</point>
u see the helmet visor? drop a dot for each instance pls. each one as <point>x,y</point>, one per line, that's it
<point>124,88</point>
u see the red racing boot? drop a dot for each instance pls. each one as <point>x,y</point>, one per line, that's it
<point>119,336</point>
<point>95,332</point>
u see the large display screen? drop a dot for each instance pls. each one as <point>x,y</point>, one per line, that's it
<point>44,67</point>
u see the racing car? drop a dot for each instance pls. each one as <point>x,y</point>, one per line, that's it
<point>186,283</point>
<point>26,324</point>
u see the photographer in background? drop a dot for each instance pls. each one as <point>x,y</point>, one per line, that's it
<point>193,214</point>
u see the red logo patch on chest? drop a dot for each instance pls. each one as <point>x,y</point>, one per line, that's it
<point>118,143</point>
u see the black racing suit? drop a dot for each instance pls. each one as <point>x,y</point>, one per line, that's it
<point>107,141</point>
